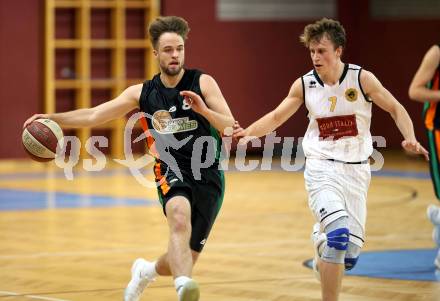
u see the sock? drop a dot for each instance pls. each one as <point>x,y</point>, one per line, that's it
<point>150,270</point>
<point>179,282</point>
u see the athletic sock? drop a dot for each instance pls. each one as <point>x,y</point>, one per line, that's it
<point>150,270</point>
<point>179,282</point>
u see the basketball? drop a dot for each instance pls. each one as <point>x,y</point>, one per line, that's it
<point>40,139</point>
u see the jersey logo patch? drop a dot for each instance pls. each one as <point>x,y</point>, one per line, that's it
<point>351,94</point>
<point>337,127</point>
<point>163,123</point>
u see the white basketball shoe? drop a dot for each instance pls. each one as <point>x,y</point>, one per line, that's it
<point>139,280</point>
<point>436,235</point>
<point>433,213</point>
<point>437,260</point>
<point>189,291</point>
<point>318,240</point>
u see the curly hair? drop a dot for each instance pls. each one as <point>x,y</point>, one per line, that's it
<point>167,24</point>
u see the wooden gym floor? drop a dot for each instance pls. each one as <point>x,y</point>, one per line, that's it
<point>76,240</point>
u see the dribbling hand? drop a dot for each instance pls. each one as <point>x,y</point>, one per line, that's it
<point>35,116</point>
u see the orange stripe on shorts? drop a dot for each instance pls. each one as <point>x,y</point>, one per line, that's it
<point>430,114</point>
<point>161,179</point>
<point>150,140</point>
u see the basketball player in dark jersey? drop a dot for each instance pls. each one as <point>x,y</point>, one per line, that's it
<point>185,112</point>
<point>425,87</point>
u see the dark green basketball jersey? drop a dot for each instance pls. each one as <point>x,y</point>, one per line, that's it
<point>175,128</point>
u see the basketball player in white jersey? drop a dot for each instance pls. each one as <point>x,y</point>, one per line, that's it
<point>337,145</point>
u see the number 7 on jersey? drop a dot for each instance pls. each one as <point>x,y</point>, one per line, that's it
<point>333,100</point>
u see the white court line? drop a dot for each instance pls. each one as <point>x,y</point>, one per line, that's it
<point>31,296</point>
<point>9,293</point>
<point>76,253</point>
<point>214,246</point>
<point>45,298</point>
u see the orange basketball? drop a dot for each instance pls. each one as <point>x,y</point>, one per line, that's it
<point>40,139</point>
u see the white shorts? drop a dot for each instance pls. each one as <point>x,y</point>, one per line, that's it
<point>338,189</point>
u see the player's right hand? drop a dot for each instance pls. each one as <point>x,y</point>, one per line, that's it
<point>35,116</point>
<point>242,136</point>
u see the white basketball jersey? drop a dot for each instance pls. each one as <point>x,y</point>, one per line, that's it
<point>340,117</point>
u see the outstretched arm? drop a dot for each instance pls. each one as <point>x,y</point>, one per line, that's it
<point>278,116</point>
<point>386,101</point>
<point>418,90</point>
<point>216,109</point>
<point>90,117</point>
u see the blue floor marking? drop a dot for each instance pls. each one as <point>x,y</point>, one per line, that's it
<point>22,199</point>
<point>28,200</point>
<point>417,265</point>
<point>126,171</point>
<point>402,174</point>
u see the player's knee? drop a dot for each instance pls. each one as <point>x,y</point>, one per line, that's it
<point>337,241</point>
<point>351,256</point>
<point>178,214</point>
<point>180,223</point>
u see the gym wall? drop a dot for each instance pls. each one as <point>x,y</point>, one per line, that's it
<point>254,62</point>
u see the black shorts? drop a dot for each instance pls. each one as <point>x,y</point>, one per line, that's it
<point>205,197</point>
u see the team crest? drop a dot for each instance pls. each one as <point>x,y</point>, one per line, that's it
<point>351,94</point>
<point>163,123</point>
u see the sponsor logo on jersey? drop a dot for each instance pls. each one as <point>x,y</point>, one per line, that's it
<point>336,127</point>
<point>172,109</point>
<point>312,84</point>
<point>163,123</point>
<point>351,94</point>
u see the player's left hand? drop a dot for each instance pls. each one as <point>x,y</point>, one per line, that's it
<point>194,101</point>
<point>413,146</point>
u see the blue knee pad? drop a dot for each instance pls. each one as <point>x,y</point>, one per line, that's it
<point>350,263</point>
<point>337,241</point>
<point>351,256</point>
